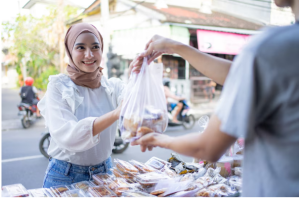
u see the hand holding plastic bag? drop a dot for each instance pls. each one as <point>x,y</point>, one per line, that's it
<point>144,105</point>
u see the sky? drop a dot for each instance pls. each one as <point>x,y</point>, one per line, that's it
<point>10,8</point>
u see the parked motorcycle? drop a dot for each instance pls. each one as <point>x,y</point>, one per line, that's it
<point>27,114</point>
<point>119,145</point>
<point>185,119</point>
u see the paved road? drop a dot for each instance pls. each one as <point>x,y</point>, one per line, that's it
<point>21,159</point>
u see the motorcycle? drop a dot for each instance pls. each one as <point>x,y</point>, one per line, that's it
<point>185,119</point>
<point>27,114</point>
<point>119,145</point>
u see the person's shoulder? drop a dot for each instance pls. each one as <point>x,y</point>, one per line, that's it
<point>276,40</point>
<point>60,82</point>
<point>112,82</point>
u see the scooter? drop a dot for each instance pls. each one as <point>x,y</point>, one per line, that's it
<point>27,114</point>
<point>185,119</point>
<point>119,145</point>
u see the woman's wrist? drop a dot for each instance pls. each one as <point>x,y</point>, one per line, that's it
<point>115,114</point>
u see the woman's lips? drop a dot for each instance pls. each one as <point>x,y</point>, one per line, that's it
<point>88,63</point>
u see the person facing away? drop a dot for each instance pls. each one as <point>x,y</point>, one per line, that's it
<point>259,102</point>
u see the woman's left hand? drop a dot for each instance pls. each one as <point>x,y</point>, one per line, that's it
<point>136,64</point>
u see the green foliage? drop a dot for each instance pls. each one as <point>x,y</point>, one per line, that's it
<point>41,82</point>
<point>35,43</point>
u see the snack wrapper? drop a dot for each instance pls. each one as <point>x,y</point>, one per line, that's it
<point>84,185</point>
<point>125,167</point>
<point>58,190</point>
<point>101,191</point>
<point>15,190</point>
<point>143,168</point>
<point>157,163</point>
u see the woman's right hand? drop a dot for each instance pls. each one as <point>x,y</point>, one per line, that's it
<point>157,46</point>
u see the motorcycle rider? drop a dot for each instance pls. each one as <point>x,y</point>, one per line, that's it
<point>169,94</point>
<point>29,94</point>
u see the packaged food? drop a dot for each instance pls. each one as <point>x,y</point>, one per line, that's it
<point>120,174</point>
<point>226,164</point>
<point>143,109</point>
<point>40,192</point>
<point>235,182</point>
<point>143,168</point>
<point>220,180</point>
<point>84,185</point>
<point>204,193</point>
<point>101,191</point>
<point>74,193</point>
<point>204,181</point>
<point>238,171</point>
<point>125,167</point>
<point>158,192</point>
<point>187,177</point>
<point>136,194</point>
<point>168,171</point>
<point>237,161</point>
<point>151,178</point>
<point>15,190</point>
<point>156,163</point>
<point>120,186</point>
<point>219,187</point>
<point>57,190</point>
<point>212,172</point>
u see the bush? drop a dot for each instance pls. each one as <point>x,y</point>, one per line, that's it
<point>42,81</point>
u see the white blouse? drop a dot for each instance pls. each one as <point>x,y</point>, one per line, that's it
<point>70,110</point>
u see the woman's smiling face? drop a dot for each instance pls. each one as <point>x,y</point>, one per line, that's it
<point>87,53</point>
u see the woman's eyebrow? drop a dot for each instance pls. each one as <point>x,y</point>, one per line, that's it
<point>95,43</point>
<point>79,44</point>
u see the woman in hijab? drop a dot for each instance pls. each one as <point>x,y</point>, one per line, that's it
<point>80,111</point>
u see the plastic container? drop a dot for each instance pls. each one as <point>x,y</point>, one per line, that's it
<point>103,179</point>
<point>101,191</point>
<point>73,193</point>
<point>120,186</point>
<point>136,194</point>
<point>15,190</point>
<point>84,185</point>
<point>156,163</point>
<point>143,168</point>
<point>120,174</point>
<point>125,167</point>
<point>57,190</point>
<point>151,178</point>
<point>166,170</point>
<point>40,192</point>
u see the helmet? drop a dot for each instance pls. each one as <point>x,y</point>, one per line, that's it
<point>166,82</point>
<point>28,81</point>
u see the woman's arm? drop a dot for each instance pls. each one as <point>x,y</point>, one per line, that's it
<point>209,145</point>
<point>212,67</point>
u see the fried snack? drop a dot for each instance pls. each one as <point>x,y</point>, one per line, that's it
<point>120,174</point>
<point>59,190</point>
<point>168,171</point>
<point>143,168</point>
<point>101,178</point>
<point>132,123</point>
<point>143,131</point>
<point>101,191</point>
<point>125,166</point>
<point>158,192</point>
<point>203,193</point>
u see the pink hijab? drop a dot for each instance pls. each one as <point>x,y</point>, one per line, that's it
<point>81,78</point>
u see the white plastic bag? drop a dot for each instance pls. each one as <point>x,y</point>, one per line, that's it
<point>144,108</point>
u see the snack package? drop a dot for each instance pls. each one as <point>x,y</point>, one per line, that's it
<point>212,172</point>
<point>101,191</point>
<point>57,190</point>
<point>74,193</point>
<point>206,193</point>
<point>125,167</point>
<point>187,177</point>
<point>235,182</point>
<point>84,185</point>
<point>190,193</point>
<point>143,168</point>
<point>168,171</point>
<point>174,187</point>
<point>120,186</point>
<point>101,179</point>
<point>151,178</point>
<point>136,194</point>
<point>15,190</point>
<point>144,103</point>
<point>238,171</point>
<point>204,181</point>
<point>40,192</point>
<point>226,164</point>
<point>120,174</point>
<point>157,163</point>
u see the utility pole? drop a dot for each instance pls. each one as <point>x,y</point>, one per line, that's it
<point>104,7</point>
<point>60,32</point>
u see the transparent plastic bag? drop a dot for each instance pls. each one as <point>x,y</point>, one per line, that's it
<point>144,108</point>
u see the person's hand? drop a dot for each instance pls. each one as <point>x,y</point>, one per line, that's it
<point>151,140</point>
<point>136,64</point>
<point>157,46</point>
<point>118,110</point>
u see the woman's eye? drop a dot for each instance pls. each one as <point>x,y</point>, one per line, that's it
<point>96,47</point>
<point>80,47</point>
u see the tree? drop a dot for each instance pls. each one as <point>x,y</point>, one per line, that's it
<point>39,39</point>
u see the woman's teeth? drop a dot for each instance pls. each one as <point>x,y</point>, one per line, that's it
<point>89,62</point>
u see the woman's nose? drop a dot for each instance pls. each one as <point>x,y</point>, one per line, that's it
<point>89,54</point>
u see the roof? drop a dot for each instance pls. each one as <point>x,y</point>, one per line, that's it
<point>31,3</point>
<point>183,15</point>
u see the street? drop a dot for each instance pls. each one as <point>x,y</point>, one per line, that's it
<point>23,163</point>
